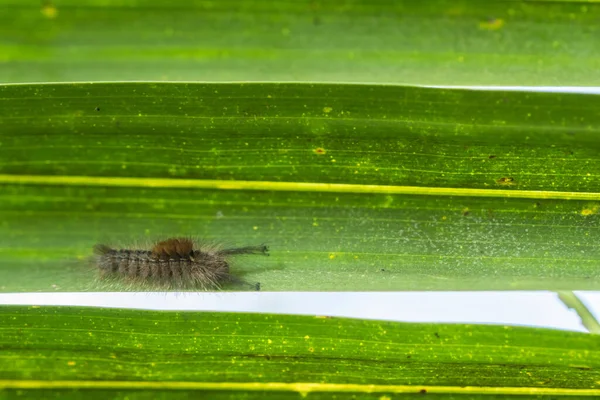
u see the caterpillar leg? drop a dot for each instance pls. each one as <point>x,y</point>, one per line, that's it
<point>240,282</point>
<point>262,249</point>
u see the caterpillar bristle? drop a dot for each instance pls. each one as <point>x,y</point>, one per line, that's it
<point>173,263</point>
<point>101,249</point>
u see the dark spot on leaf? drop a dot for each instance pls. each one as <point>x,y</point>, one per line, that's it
<point>423,391</point>
<point>409,356</point>
<point>320,150</point>
<point>505,180</point>
<point>97,109</point>
<point>492,23</point>
<point>582,367</point>
<point>382,269</point>
<point>492,156</point>
<point>437,335</point>
<point>466,213</point>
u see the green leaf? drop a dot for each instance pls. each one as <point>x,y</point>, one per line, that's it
<point>434,42</point>
<point>105,352</point>
<point>354,187</point>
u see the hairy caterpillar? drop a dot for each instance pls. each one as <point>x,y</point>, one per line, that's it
<point>174,263</point>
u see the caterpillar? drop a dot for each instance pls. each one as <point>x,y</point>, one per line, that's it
<point>174,263</point>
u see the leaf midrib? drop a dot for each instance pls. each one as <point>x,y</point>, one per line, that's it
<point>70,180</point>
<point>302,388</point>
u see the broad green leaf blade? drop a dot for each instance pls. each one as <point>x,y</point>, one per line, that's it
<point>318,241</point>
<point>436,42</point>
<point>88,348</point>
<point>315,133</point>
<point>354,187</point>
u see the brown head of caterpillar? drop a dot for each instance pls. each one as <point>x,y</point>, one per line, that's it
<point>174,263</point>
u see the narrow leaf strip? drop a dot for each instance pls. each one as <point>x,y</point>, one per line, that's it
<point>573,302</point>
